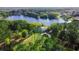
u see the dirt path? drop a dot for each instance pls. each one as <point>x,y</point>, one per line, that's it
<point>4,47</point>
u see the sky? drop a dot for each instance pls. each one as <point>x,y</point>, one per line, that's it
<point>39,3</point>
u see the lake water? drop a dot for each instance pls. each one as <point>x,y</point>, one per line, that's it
<point>46,22</point>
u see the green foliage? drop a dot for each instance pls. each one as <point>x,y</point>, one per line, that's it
<point>32,14</point>
<point>43,15</point>
<point>30,36</point>
<point>4,31</point>
<point>7,41</point>
<point>28,43</point>
<point>55,29</point>
<point>34,25</point>
<point>37,42</point>
<point>53,15</point>
<point>24,33</point>
<point>18,25</point>
<point>69,36</point>
<point>4,14</point>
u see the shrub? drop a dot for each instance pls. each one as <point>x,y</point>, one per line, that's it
<point>24,33</point>
<point>7,41</point>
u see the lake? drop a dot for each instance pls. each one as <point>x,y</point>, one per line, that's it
<point>46,22</point>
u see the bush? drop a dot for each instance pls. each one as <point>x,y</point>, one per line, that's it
<point>7,41</point>
<point>24,33</point>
